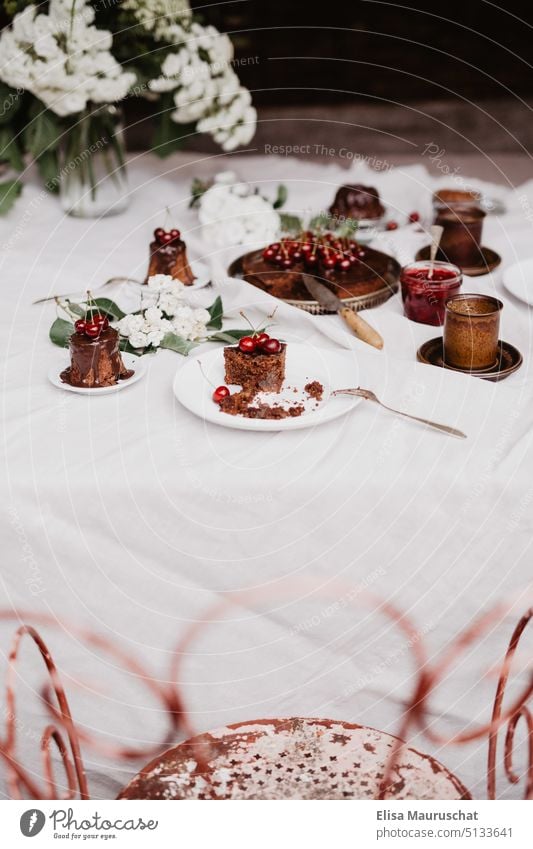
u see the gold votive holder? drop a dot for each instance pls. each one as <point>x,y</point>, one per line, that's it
<point>471,331</point>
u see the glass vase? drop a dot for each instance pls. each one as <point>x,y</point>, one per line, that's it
<point>93,179</point>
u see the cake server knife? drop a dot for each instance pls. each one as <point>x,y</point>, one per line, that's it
<point>329,301</point>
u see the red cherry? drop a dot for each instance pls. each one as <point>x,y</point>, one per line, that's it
<point>175,234</point>
<point>344,264</point>
<point>271,346</point>
<point>311,260</point>
<point>220,393</point>
<point>392,225</point>
<point>275,246</point>
<point>329,262</point>
<point>247,344</point>
<point>414,217</point>
<point>278,257</point>
<point>307,248</point>
<point>269,253</point>
<point>92,330</point>
<point>159,233</point>
<point>261,338</point>
<point>80,325</point>
<point>297,255</point>
<point>165,238</point>
<point>287,262</point>
<point>101,321</point>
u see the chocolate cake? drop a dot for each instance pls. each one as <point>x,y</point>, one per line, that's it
<point>294,758</point>
<point>255,371</point>
<point>168,255</point>
<point>368,271</point>
<point>358,202</point>
<point>95,363</point>
<point>246,404</point>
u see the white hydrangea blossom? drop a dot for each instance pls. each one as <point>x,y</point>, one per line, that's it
<point>160,17</point>
<point>167,313</point>
<point>233,214</point>
<point>62,58</point>
<point>207,89</point>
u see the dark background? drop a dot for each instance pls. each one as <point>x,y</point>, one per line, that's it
<point>380,50</point>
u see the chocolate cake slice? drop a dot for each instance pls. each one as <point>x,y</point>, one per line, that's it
<point>255,371</point>
<point>95,363</point>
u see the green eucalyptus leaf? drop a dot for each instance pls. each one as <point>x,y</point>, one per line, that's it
<point>290,223</point>
<point>126,348</point>
<point>230,335</point>
<point>61,331</point>
<point>9,149</point>
<point>48,165</point>
<point>281,197</point>
<point>76,308</point>
<point>216,311</point>
<point>10,100</point>
<point>9,192</point>
<point>108,307</point>
<point>43,131</point>
<point>173,342</point>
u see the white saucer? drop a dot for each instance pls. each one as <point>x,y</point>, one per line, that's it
<point>518,280</point>
<point>304,365</point>
<point>201,273</point>
<point>138,364</point>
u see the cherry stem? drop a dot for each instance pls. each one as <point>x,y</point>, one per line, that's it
<point>205,377</point>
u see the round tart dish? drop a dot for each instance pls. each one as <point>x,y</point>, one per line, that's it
<point>293,758</point>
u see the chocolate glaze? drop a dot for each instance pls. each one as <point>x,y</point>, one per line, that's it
<point>369,275</point>
<point>170,259</point>
<point>95,362</point>
<point>357,201</point>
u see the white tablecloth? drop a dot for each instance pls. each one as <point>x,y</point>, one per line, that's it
<point>129,516</point>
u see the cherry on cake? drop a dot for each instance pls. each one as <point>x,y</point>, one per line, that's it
<point>347,268</point>
<point>257,363</point>
<point>95,359</point>
<point>168,255</point>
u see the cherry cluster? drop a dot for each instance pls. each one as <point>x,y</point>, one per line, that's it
<point>326,251</point>
<point>91,326</point>
<point>166,237</point>
<point>261,342</point>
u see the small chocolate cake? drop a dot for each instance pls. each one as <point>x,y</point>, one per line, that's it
<point>170,258</point>
<point>95,363</point>
<point>359,202</point>
<point>255,371</point>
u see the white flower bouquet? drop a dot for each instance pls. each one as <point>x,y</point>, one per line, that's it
<point>61,60</point>
<point>234,213</point>
<point>164,319</point>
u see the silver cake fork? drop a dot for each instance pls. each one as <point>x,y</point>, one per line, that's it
<point>370,396</point>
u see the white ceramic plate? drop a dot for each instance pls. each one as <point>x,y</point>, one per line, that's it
<point>518,280</point>
<point>202,274</point>
<point>138,364</point>
<point>304,364</point>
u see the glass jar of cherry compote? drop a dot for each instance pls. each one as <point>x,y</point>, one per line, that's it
<point>424,294</point>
